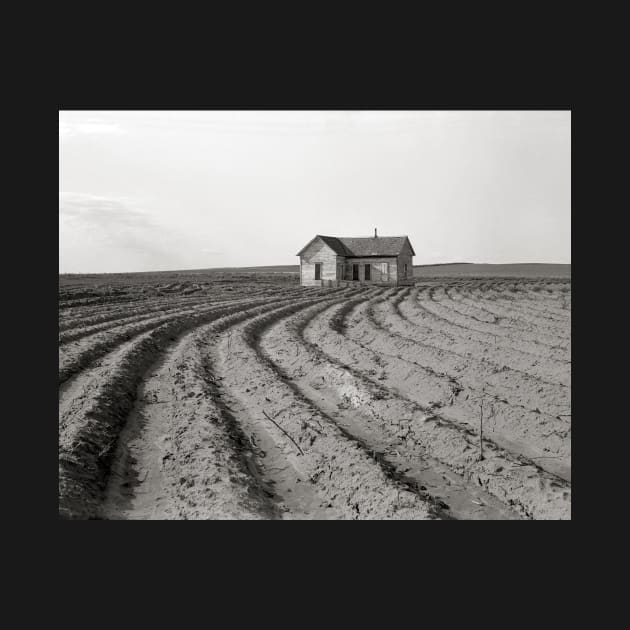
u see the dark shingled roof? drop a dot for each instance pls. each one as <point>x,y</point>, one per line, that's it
<point>364,246</point>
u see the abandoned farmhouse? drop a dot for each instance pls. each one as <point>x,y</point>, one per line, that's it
<point>337,261</point>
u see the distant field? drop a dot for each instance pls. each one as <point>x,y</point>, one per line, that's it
<point>518,270</point>
<point>275,274</point>
<point>268,269</point>
<point>289,273</point>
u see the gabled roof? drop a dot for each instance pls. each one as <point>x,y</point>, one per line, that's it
<point>363,246</point>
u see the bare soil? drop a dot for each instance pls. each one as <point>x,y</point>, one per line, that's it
<point>236,394</point>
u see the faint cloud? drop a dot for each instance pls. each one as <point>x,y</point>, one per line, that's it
<point>116,223</point>
<point>101,210</point>
<point>88,126</point>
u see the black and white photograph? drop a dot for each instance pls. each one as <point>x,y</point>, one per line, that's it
<point>314,314</point>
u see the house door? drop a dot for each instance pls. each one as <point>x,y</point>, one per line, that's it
<point>355,271</point>
<point>318,271</point>
<point>367,272</point>
<point>384,272</point>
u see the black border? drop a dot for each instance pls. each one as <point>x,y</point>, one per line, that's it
<point>106,80</point>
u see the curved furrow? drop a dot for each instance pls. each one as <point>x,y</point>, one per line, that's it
<point>520,307</point>
<point>505,309</point>
<point>182,454</point>
<point>126,294</point>
<point>472,319</point>
<point>338,468</point>
<point>95,411</point>
<point>437,299</point>
<point>75,303</point>
<point>177,456</point>
<point>475,343</point>
<point>104,316</point>
<point>559,315</point>
<point>531,291</point>
<point>119,346</point>
<point>511,318</point>
<point>516,481</point>
<point>102,300</point>
<point>97,314</point>
<point>559,307</point>
<point>555,340</point>
<point>525,303</point>
<point>512,315</point>
<point>319,381</point>
<point>424,378</point>
<point>236,400</point>
<point>77,355</point>
<point>446,335</point>
<point>76,333</point>
<point>79,333</point>
<point>441,352</point>
<point>546,302</point>
<point>100,315</point>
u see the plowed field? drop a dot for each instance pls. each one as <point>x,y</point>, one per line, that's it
<point>248,399</point>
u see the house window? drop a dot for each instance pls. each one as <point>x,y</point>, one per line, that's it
<point>367,272</point>
<point>318,271</point>
<point>384,271</point>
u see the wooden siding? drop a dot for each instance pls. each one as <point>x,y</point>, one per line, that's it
<point>318,252</point>
<point>338,269</point>
<point>376,274</point>
<point>405,258</point>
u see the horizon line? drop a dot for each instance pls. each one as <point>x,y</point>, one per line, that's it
<point>82,273</point>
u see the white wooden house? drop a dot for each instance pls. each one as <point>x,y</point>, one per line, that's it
<point>337,261</point>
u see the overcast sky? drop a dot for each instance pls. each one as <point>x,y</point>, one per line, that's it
<point>141,191</point>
